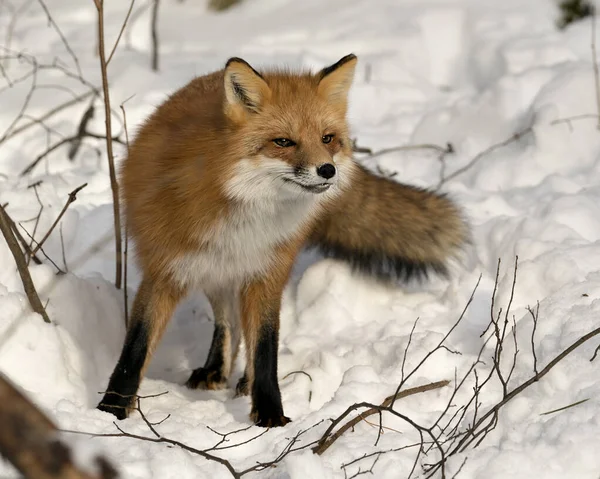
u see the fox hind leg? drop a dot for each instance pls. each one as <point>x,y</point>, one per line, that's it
<point>153,307</point>
<point>224,345</point>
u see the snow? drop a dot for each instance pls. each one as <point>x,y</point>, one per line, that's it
<point>465,72</point>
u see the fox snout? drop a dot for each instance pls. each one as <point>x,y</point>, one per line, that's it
<point>315,178</point>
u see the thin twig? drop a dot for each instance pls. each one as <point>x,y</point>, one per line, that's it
<point>49,114</point>
<point>120,32</point>
<point>71,199</point>
<point>33,241</point>
<point>327,439</point>
<point>28,286</point>
<point>565,407</point>
<point>22,240</point>
<point>111,160</point>
<point>155,35</point>
<point>307,375</point>
<point>62,247</point>
<point>515,137</point>
<point>534,317</point>
<point>62,37</point>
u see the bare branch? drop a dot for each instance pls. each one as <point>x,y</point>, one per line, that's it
<point>534,317</point>
<point>29,441</point>
<point>327,439</point>
<point>71,199</point>
<point>111,160</point>
<point>22,240</point>
<point>120,32</point>
<point>155,35</point>
<point>62,37</point>
<point>28,286</point>
<point>514,138</point>
<point>565,407</point>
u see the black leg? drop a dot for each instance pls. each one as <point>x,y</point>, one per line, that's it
<point>267,410</point>
<point>242,389</point>
<point>224,344</point>
<point>212,375</point>
<point>126,377</point>
<point>152,310</point>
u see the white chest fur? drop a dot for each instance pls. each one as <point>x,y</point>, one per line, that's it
<point>242,245</point>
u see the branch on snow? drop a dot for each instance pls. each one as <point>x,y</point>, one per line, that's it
<point>28,286</point>
<point>30,442</point>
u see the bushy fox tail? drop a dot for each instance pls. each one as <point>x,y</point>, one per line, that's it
<point>390,230</point>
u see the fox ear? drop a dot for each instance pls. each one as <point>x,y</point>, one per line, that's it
<point>335,80</point>
<point>245,89</point>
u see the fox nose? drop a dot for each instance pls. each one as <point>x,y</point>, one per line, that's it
<point>326,170</point>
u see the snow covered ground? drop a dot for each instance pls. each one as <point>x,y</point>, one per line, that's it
<point>471,73</point>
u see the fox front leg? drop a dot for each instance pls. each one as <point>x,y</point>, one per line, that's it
<point>261,305</point>
<point>153,307</point>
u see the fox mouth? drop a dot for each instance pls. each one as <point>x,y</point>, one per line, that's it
<point>313,188</point>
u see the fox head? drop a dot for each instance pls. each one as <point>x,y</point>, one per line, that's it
<point>291,130</point>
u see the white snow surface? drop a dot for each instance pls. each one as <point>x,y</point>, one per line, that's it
<point>466,72</point>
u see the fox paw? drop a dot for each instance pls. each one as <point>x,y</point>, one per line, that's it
<point>202,378</point>
<point>262,419</point>
<point>242,388</point>
<point>116,405</point>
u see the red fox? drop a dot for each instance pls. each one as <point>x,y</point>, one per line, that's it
<point>223,186</point>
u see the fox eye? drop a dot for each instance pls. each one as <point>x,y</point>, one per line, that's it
<point>283,142</point>
<point>327,138</point>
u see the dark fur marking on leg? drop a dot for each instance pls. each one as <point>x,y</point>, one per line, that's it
<point>241,389</point>
<point>267,410</point>
<point>211,375</point>
<point>125,379</point>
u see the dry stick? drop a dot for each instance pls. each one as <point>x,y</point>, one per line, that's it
<point>120,32</point>
<point>327,440</point>
<point>516,137</point>
<point>534,315</point>
<point>87,116</point>
<point>125,252</point>
<point>595,63</point>
<point>29,440</point>
<point>37,218</point>
<point>28,286</point>
<point>71,199</point>
<point>22,240</point>
<point>33,241</point>
<point>155,36</point>
<point>565,407</point>
<point>307,375</point>
<point>62,248</point>
<point>111,160</point>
